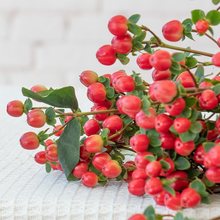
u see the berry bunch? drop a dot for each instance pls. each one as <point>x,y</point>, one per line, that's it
<point>171,126</point>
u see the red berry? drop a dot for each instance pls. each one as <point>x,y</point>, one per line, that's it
<point>186,79</point>
<point>141,160</point>
<point>80,169</point>
<point>91,127</point>
<point>214,155</point>
<point>153,169</point>
<point>38,88</point>
<point>164,91</point>
<point>136,187</point>
<point>139,142</point>
<point>202,26</point>
<point>181,125</point>
<point>199,155</point>
<point>111,169</point>
<point>40,157</point>
<point>213,174</point>
<point>36,118</point>
<point>176,107</point>
<point>96,92</point>
<point>160,198</point>
<point>143,61</point>
<point>146,121</point>
<point>138,217</point>
<point>118,25</point>
<point>116,75</point>
<point>100,159</point>
<point>205,85</point>
<point>122,44</point>
<point>181,180</point>
<point>173,30</point>
<point>51,153</point>
<point>89,179</point>
<point>162,123</point>
<point>170,169</point>
<point>216,59</point>
<point>161,60</point>
<point>88,77</point>
<point>29,141</point>
<point>93,143</point>
<point>208,100</point>
<point>106,55</point>
<point>114,123</point>
<point>68,118</point>
<point>139,174</point>
<point>48,142</point>
<point>15,108</point>
<point>100,116</point>
<point>58,130</point>
<point>153,186</point>
<point>84,154</point>
<point>189,198</point>
<point>184,148</point>
<point>173,201</point>
<point>161,75</point>
<point>124,84</point>
<point>167,140</point>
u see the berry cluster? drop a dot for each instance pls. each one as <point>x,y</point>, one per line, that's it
<point>170,127</point>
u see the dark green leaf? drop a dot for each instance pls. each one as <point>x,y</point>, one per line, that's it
<point>134,18</point>
<point>64,97</point>
<point>156,151</point>
<point>137,45</point>
<point>146,104</point>
<point>50,116</point>
<point>187,112</point>
<point>150,158</point>
<point>110,93</point>
<point>187,136</point>
<point>140,37</point>
<point>148,48</point>
<point>175,68</point>
<point>165,164</point>
<point>208,145</point>
<point>42,136</point>
<point>182,163</point>
<point>179,216</point>
<point>72,178</point>
<point>197,15</point>
<point>187,24</point>
<point>177,57</point>
<point>215,2</point>
<point>27,105</point>
<point>190,101</point>
<point>47,167</point>
<point>169,189</point>
<point>216,89</point>
<point>191,62</point>
<point>135,29</point>
<point>196,127</point>
<point>154,138</point>
<point>123,58</point>
<point>199,186</point>
<point>189,35</point>
<point>194,115</point>
<point>200,73</point>
<point>211,31</point>
<point>68,146</point>
<point>104,134</point>
<point>213,17</point>
<point>149,212</point>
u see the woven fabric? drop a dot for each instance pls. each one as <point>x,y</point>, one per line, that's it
<point>28,192</point>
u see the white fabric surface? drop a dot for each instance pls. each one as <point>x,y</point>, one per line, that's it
<point>28,192</point>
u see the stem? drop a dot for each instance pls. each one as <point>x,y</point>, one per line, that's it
<point>210,116</point>
<point>156,37</point>
<point>79,114</point>
<point>192,75</point>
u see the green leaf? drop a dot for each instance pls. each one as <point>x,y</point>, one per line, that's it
<point>64,97</point>
<point>191,62</point>
<point>149,212</point>
<point>135,29</point>
<point>190,101</point>
<point>187,136</point>
<point>194,115</point>
<point>140,37</point>
<point>177,57</point>
<point>50,116</point>
<point>150,158</point>
<point>104,134</point>
<point>187,112</point>
<point>182,163</point>
<point>213,17</point>
<point>137,45</point>
<point>47,167</point>
<point>123,58</point>
<point>189,35</point>
<point>27,105</point>
<point>208,145</point>
<point>165,164</point>
<point>134,18</point>
<point>196,127</point>
<point>187,24</point>
<point>156,151</point>
<point>179,216</point>
<point>199,186</point>
<point>68,146</point>
<point>216,89</point>
<point>154,138</point>
<point>146,104</point>
<point>215,2</point>
<point>42,136</point>
<point>110,93</point>
<point>197,15</point>
<point>175,68</point>
<point>169,189</point>
<point>200,73</point>
<point>148,48</point>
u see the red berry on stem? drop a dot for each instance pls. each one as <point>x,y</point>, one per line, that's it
<point>40,157</point>
<point>139,174</point>
<point>99,116</point>
<point>124,84</point>
<point>143,61</point>
<point>173,30</point>
<point>114,123</point>
<point>106,55</point>
<point>181,180</point>
<point>162,123</point>
<point>91,127</point>
<point>167,140</point>
<point>51,153</point>
<point>161,75</point>
<point>176,107</point>
<point>89,179</point>
<point>111,169</point>
<point>88,77</point>
<point>139,142</point>
<point>96,92</point>
<point>186,79</point>
<point>84,154</point>
<point>171,167</point>
<point>153,186</point>
<point>100,159</point>
<point>122,44</point>
<point>118,25</point>
<point>15,108</point>
<point>199,154</point>
<point>213,174</point>
<point>214,155</point>
<point>202,26</point>
<point>58,130</point>
<point>136,187</point>
<point>216,59</point>
<point>184,148</point>
<point>160,198</point>
<point>181,125</point>
<point>38,88</point>
<point>153,169</point>
<point>141,160</point>
<point>29,141</point>
<point>93,143</point>
<point>80,169</point>
<point>36,118</point>
<point>189,198</point>
<point>173,201</point>
<point>146,121</point>
<point>208,100</point>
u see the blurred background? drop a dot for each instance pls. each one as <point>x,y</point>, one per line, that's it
<point>52,41</point>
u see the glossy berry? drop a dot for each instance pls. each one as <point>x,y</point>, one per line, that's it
<point>139,174</point>
<point>189,198</point>
<point>111,169</point>
<point>89,179</point>
<point>138,217</point>
<point>153,169</point>
<point>153,186</point>
<point>114,123</point>
<point>15,108</point>
<point>96,92</point>
<point>146,121</point>
<point>91,127</point>
<point>88,77</point>
<point>68,118</point>
<point>51,153</point>
<point>199,154</point>
<point>117,25</point>
<point>122,44</point>
<point>100,159</point>
<point>181,180</point>
<point>40,157</point>
<point>58,130</point>
<point>136,187</point>
<point>106,55</point>
<point>143,61</point>
<point>38,88</point>
<point>167,140</point>
<point>216,59</point>
<point>184,148</point>
<point>214,154</point>
<point>160,198</point>
<point>181,125</point>
<point>202,26</point>
<point>124,84</point>
<point>167,170</point>
<point>99,116</point>
<point>93,143</point>
<point>208,100</point>
<point>36,118</point>
<point>176,107</point>
<point>161,75</point>
<point>213,174</point>
<point>29,141</point>
<point>162,123</point>
<point>161,60</point>
<point>141,160</point>
<point>139,142</point>
<point>173,201</point>
<point>186,79</point>
<point>48,142</point>
<point>164,91</point>
<point>84,154</point>
<point>173,30</point>
<point>80,169</point>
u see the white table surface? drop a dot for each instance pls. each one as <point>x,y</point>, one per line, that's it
<point>28,192</point>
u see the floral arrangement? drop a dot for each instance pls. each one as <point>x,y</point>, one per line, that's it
<point>171,126</point>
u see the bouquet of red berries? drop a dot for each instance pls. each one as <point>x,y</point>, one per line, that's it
<point>171,127</point>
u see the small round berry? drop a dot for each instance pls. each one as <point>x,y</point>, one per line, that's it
<point>38,88</point>
<point>96,92</point>
<point>161,75</point>
<point>36,118</point>
<point>80,169</point>
<point>51,153</point>
<point>139,142</point>
<point>162,123</point>
<point>114,123</point>
<point>89,179</point>
<point>181,125</point>
<point>99,116</point>
<point>139,174</point>
<point>143,61</point>
<point>93,143</point>
<point>190,198</point>
<point>186,79</point>
<point>213,174</point>
<point>141,160</point>
<point>118,25</point>
<point>216,59</point>
<point>202,26</point>
<point>122,44</point>
<point>153,169</point>
<point>29,141</point>
<point>181,180</point>
<point>173,201</point>
<point>146,121</point>
<point>124,84</point>
<point>136,187</point>
<point>208,100</point>
<point>184,148</point>
<point>88,77</point>
<point>40,157</point>
<point>106,55</point>
<point>91,127</point>
<point>100,159</point>
<point>111,169</point>
<point>176,107</point>
<point>153,186</point>
<point>15,108</point>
